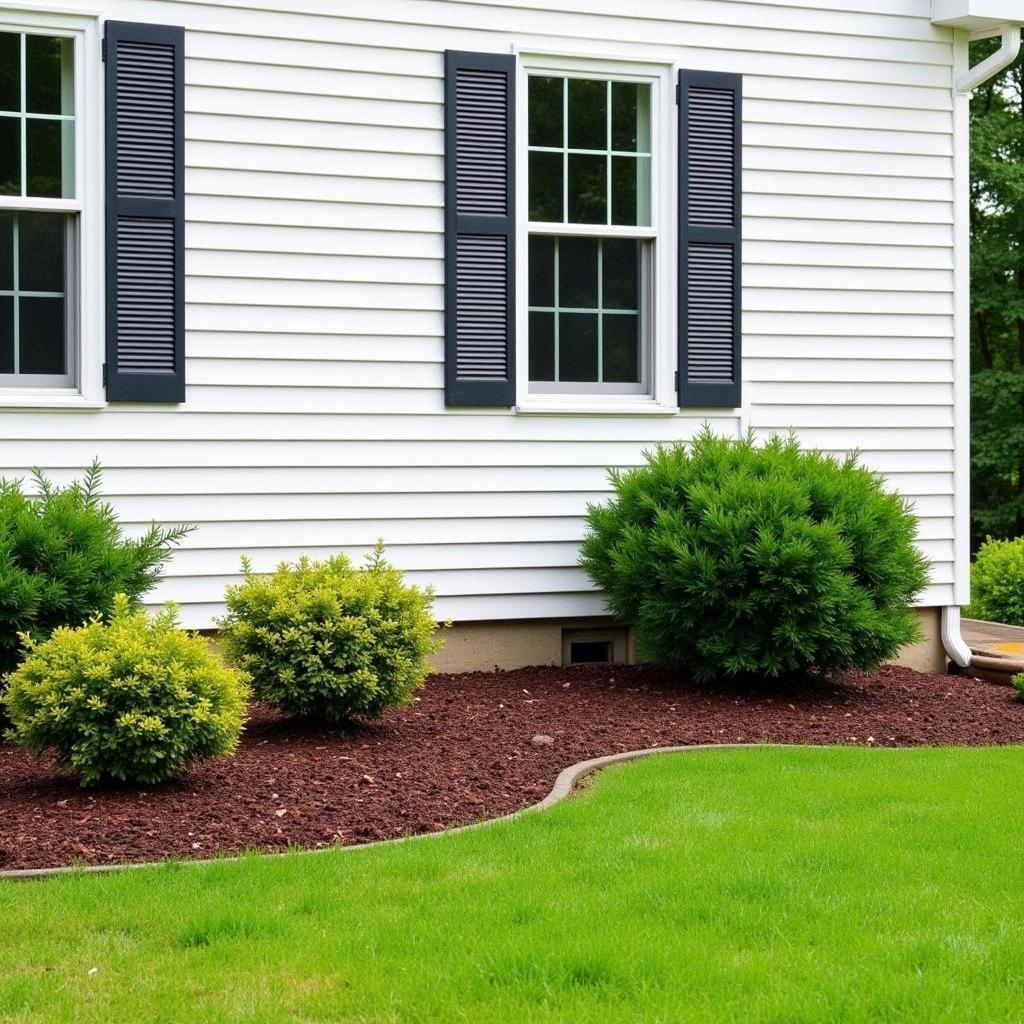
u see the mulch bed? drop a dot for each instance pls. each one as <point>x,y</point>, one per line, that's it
<point>463,751</point>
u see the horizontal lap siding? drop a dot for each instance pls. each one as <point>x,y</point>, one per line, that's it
<point>315,417</point>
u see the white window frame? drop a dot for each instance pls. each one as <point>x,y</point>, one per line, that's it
<point>659,355</point>
<point>84,285</point>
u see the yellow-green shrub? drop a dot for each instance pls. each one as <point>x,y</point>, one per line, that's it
<point>327,641</point>
<point>130,699</point>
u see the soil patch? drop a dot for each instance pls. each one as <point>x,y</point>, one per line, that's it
<point>463,751</point>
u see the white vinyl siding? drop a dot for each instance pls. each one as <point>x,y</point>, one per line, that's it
<point>315,415</point>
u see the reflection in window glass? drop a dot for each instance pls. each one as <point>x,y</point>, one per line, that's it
<point>584,309</point>
<point>48,75</point>
<point>10,71</point>
<point>37,113</point>
<point>6,333</point>
<point>546,98</point>
<point>37,162</point>
<point>33,293</point>
<point>546,190</point>
<point>594,166</point>
<point>588,114</point>
<point>10,156</point>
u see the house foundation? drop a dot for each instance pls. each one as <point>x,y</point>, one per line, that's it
<point>485,646</point>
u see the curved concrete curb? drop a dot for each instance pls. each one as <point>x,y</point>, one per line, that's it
<point>567,782</point>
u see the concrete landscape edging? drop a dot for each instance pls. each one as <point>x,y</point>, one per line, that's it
<point>567,782</point>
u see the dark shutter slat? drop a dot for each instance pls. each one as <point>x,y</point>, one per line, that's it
<point>479,229</point>
<point>145,213</point>
<point>710,223</point>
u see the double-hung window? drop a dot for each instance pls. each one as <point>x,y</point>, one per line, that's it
<point>591,235</point>
<point>39,211</point>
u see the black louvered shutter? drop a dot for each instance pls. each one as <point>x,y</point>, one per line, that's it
<point>710,258</point>
<point>479,198</point>
<point>145,213</point>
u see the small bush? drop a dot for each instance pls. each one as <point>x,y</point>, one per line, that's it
<point>1018,682</point>
<point>132,699</point>
<point>326,641</point>
<point>63,557</point>
<point>997,582</point>
<point>734,559</point>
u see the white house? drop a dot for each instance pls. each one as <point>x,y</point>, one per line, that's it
<point>310,272</point>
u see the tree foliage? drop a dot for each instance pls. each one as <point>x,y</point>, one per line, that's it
<point>997,304</point>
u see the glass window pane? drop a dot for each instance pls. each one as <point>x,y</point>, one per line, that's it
<point>6,334</point>
<point>542,346</point>
<point>41,336</point>
<point>49,172</point>
<point>545,97</point>
<point>577,346</point>
<point>546,187</point>
<point>631,117</point>
<point>6,251</point>
<point>621,272</point>
<point>588,114</point>
<point>41,252</point>
<point>48,75</point>
<point>542,270</point>
<point>10,71</point>
<point>588,188</point>
<point>10,156</point>
<point>577,273</point>
<point>631,190</point>
<point>621,348</point>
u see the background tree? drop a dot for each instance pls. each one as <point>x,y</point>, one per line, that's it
<point>997,303</point>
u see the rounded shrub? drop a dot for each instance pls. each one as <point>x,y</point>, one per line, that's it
<point>733,559</point>
<point>130,699</point>
<point>1018,683</point>
<point>325,640</point>
<point>997,582</point>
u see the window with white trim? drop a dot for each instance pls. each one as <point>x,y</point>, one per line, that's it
<point>38,210</point>
<point>591,236</point>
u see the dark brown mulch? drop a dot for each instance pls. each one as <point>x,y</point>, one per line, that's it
<point>463,751</point>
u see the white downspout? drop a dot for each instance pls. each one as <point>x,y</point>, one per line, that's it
<point>952,639</point>
<point>1002,58</point>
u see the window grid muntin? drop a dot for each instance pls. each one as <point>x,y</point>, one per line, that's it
<point>24,116</point>
<point>599,310</point>
<point>608,153</point>
<point>645,234</point>
<point>16,293</point>
<point>68,206</point>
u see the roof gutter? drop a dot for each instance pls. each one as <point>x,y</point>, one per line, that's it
<point>991,66</point>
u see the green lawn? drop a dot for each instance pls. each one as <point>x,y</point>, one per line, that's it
<point>782,885</point>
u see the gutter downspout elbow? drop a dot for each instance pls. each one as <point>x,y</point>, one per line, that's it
<point>952,639</point>
<point>1002,58</point>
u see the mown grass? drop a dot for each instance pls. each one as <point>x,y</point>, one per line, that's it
<point>781,885</point>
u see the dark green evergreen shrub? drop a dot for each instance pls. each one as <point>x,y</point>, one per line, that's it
<point>132,699</point>
<point>327,641</point>
<point>733,559</point>
<point>63,557</point>
<point>997,582</point>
